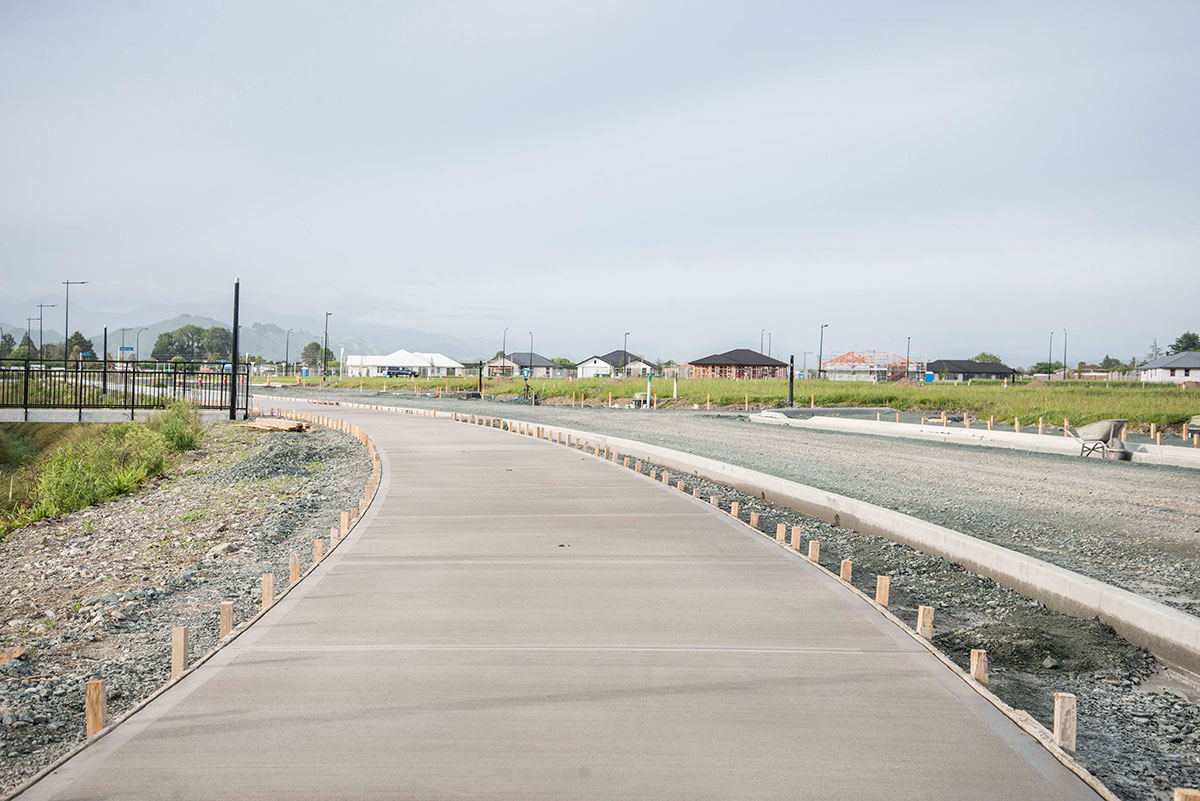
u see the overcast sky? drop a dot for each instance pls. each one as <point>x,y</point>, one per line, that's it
<point>971,175</point>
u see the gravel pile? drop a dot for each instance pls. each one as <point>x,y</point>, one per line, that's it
<point>95,594</point>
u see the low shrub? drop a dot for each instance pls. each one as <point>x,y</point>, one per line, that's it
<point>179,425</point>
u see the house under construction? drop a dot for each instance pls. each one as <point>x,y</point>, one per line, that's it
<point>872,365</point>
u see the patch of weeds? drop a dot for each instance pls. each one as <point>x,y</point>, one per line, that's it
<point>192,517</point>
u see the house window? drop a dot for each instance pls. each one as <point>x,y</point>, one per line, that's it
<point>1172,372</point>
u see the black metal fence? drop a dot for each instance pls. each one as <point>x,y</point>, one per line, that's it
<point>33,384</point>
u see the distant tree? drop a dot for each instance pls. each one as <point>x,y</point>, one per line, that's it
<point>26,350</point>
<point>7,345</point>
<point>1155,351</point>
<point>565,362</point>
<point>1042,367</point>
<point>1187,341</point>
<point>78,344</point>
<point>311,355</point>
<point>166,347</point>
<point>217,343</point>
<point>1109,363</point>
<point>984,356</point>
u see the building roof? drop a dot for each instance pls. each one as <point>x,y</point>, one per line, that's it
<point>871,359</point>
<point>523,358</point>
<point>966,366</point>
<point>403,358</point>
<point>1188,360</point>
<point>739,357</point>
<point>619,357</point>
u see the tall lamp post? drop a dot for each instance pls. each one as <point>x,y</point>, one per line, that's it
<point>504,346</point>
<point>821,348</point>
<point>624,354</point>
<point>67,317</point>
<point>531,365</point>
<point>137,344</point>
<point>287,350</point>
<point>769,343</point>
<point>41,347</point>
<point>1050,358</point>
<point>908,357</point>
<point>762,332</point>
<point>325,349</point>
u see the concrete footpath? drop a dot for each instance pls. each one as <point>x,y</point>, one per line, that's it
<point>514,619</point>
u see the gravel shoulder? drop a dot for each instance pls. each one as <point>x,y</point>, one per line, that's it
<point>1136,526</point>
<point>94,594</point>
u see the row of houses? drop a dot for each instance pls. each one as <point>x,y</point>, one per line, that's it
<point>740,363</point>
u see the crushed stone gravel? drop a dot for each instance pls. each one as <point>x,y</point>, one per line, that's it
<point>94,594</point>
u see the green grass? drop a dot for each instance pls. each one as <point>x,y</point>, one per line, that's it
<point>54,469</point>
<point>1079,401</point>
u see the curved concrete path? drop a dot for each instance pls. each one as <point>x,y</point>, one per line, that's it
<point>516,620</point>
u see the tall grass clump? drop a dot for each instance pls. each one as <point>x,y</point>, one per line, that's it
<point>91,464</point>
<point>179,425</point>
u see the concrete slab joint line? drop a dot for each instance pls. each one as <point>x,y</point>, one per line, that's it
<point>1170,634</point>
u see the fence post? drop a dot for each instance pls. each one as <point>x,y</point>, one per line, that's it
<point>25,398</point>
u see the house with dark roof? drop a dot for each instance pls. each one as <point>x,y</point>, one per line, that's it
<point>965,369</point>
<point>738,363</point>
<point>1174,369</point>
<point>533,365</point>
<point>617,363</point>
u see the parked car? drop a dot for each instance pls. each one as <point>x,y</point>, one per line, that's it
<point>401,372</point>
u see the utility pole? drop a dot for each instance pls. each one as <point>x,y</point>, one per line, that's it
<point>624,354</point>
<point>908,357</point>
<point>233,377</point>
<point>821,348</point>
<point>41,347</point>
<point>768,343</point>
<point>67,318</point>
<point>104,372</point>
<point>761,332</point>
<point>531,365</point>
<point>325,350</point>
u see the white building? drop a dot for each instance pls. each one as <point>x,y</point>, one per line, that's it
<point>617,363</point>
<point>1174,369</point>
<point>533,365</point>
<point>402,363</point>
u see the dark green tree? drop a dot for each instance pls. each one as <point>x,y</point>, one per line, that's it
<point>166,347</point>
<point>78,344</point>
<point>7,345</point>
<point>1109,363</point>
<point>986,358</point>
<point>217,343</point>
<point>1041,367</point>
<point>26,350</point>
<point>1185,342</point>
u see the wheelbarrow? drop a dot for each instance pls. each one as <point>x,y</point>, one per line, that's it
<point>1103,436</point>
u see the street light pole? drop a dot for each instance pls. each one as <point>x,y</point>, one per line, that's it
<point>908,357</point>
<point>821,348</point>
<point>67,318</point>
<point>41,347</point>
<point>761,332</point>
<point>531,365</point>
<point>325,350</point>
<point>504,346</point>
<point>624,354</point>
<point>287,350</point>
<point>1050,358</point>
<point>137,344</point>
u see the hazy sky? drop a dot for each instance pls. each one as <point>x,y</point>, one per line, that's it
<point>972,175</point>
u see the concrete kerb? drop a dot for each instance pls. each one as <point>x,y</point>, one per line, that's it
<point>1172,635</point>
<point>981,437</point>
<point>1021,719</point>
<point>373,483</point>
